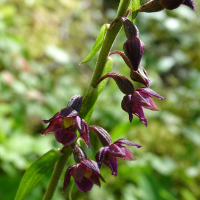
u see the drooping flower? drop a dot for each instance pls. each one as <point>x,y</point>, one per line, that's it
<point>134,100</point>
<point>158,5</point>
<point>109,153</point>
<point>85,172</point>
<point>139,99</point>
<point>66,121</point>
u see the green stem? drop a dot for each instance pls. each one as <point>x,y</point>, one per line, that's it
<point>103,55</point>
<point>57,172</point>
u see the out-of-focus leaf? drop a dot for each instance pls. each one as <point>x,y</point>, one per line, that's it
<point>57,54</point>
<point>36,171</point>
<point>98,43</point>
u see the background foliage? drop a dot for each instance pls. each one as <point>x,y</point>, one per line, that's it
<point>41,46</point>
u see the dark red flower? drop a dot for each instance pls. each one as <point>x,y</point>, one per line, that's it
<point>85,172</point>
<point>139,99</point>
<point>66,121</point>
<point>111,151</point>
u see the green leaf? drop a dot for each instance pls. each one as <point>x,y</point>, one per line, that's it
<point>93,93</point>
<point>36,171</point>
<point>135,8</point>
<point>98,43</point>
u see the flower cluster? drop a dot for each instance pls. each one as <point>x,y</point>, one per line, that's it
<point>64,124</point>
<point>86,172</point>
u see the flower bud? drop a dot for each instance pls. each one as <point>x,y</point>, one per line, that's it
<point>130,29</point>
<point>102,134</point>
<point>75,102</point>
<point>79,154</point>
<point>151,6</point>
<point>134,49</point>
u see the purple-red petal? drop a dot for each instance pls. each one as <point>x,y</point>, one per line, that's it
<point>149,91</point>
<point>95,179</point>
<point>51,119</point>
<point>65,137</point>
<point>101,155</point>
<point>83,130</point>
<point>91,165</point>
<point>115,151</point>
<point>126,105</point>
<point>79,172</point>
<point>137,99</point>
<point>128,156</point>
<point>68,175</point>
<point>127,142</point>
<point>54,124</point>
<point>138,111</point>
<point>112,164</point>
<point>85,185</point>
<point>152,105</point>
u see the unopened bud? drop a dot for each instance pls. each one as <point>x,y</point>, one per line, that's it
<point>130,29</point>
<point>75,102</point>
<point>102,134</point>
<point>78,153</point>
<point>134,49</point>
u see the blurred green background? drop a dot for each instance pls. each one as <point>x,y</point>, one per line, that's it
<point>41,46</point>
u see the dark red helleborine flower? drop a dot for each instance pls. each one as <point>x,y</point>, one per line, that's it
<point>135,102</point>
<point>65,122</point>
<point>111,151</point>
<point>85,172</point>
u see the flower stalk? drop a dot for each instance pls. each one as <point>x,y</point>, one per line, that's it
<point>57,172</point>
<point>87,105</point>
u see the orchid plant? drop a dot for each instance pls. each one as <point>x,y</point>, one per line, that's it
<point>70,124</point>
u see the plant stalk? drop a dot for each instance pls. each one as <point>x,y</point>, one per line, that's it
<point>57,172</point>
